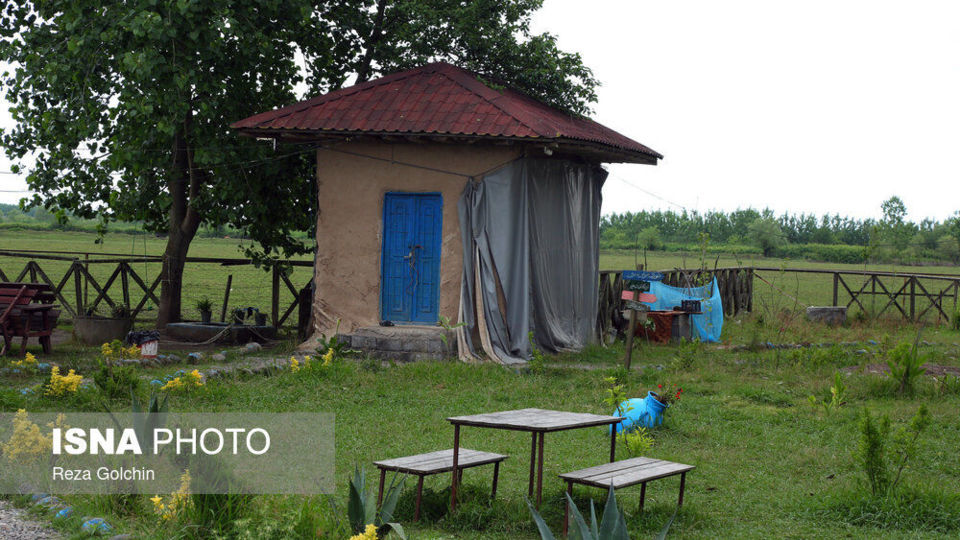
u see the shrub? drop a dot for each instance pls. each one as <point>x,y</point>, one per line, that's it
<point>904,363</point>
<point>882,458</point>
<point>114,382</point>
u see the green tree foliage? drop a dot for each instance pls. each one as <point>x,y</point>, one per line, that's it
<point>124,106</point>
<point>649,238</point>
<point>766,233</point>
<point>895,231</point>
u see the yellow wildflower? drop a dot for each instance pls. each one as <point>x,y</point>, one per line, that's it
<point>60,422</point>
<point>106,350</point>
<point>173,384</point>
<point>196,378</point>
<point>294,364</point>
<point>27,443</point>
<point>328,357</point>
<point>177,500</point>
<point>369,534</point>
<point>62,384</point>
<point>29,361</point>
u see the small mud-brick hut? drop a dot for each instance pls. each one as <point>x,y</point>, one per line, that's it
<point>443,196</point>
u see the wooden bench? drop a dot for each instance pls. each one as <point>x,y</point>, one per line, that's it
<point>25,311</point>
<point>625,473</point>
<point>438,462</point>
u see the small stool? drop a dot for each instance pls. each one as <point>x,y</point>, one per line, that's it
<point>437,462</point>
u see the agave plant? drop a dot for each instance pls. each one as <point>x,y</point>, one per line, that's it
<point>612,527</point>
<point>145,420</point>
<point>362,508</point>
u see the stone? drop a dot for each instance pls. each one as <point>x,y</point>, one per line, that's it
<point>219,357</point>
<point>172,359</point>
<point>253,346</point>
<point>831,315</point>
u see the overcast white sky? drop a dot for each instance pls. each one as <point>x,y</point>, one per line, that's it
<point>814,106</point>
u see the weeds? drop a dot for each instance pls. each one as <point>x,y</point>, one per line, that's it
<point>838,395</point>
<point>537,361</point>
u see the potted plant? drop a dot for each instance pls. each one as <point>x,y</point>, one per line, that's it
<point>260,318</point>
<point>205,306</point>
<point>239,314</point>
<point>94,329</point>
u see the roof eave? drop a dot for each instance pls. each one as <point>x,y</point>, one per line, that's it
<point>601,152</point>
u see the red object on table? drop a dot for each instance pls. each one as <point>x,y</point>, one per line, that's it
<point>663,325</point>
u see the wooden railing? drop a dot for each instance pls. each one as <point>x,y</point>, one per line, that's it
<point>74,284</point>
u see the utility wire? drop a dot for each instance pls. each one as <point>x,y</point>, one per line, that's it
<point>648,192</point>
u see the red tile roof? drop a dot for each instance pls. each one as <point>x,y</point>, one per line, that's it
<point>443,100</point>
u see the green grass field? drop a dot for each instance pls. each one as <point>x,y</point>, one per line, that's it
<point>768,463</point>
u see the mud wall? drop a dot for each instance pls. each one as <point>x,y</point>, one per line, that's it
<point>351,189</point>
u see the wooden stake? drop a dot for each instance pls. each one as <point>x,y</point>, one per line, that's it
<point>226,298</point>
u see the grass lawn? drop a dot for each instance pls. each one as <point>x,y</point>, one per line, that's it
<point>768,464</point>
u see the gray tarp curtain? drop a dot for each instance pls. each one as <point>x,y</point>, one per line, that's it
<point>531,246</point>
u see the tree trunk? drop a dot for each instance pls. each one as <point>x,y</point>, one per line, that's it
<point>171,280</point>
<point>184,222</point>
<point>370,46</point>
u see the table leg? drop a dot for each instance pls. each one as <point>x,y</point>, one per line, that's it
<point>613,444</point>
<point>540,471</point>
<point>643,495</point>
<point>566,508</point>
<point>455,473</point>
<point>383,476</point>
<point>683,482</point>
<point>416,510</point>
<point>533,461</point>
<point>496,474</point>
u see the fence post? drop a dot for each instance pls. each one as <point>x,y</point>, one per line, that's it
<point>226,299</point>
<point>275,295</point>
<point>86,266</point>
<point>836,288</point>
<point>125,285</point>
<point>77,288</point>
<point>913,298</point>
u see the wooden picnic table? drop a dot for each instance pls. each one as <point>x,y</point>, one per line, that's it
<point>537,422</point>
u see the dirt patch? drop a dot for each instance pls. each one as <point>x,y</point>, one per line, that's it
<point>933,370</point>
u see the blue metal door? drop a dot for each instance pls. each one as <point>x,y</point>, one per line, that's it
<point>410,262</point>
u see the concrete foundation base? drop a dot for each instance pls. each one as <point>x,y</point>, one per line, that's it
<point>832,315</point>
<point>404,343</point>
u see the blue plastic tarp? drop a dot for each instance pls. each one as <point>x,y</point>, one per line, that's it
<point>710,322</point>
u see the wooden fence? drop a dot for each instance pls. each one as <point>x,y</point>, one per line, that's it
<point>910,296</point>
<point>735,285</point>
<point>75,286</point>
<point>913,297</point>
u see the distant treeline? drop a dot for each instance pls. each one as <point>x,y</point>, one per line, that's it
<point>830,238</point>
